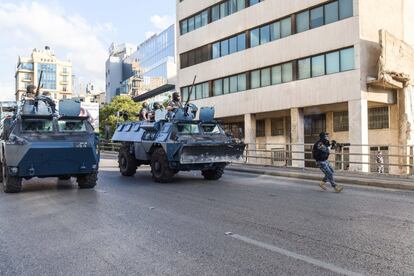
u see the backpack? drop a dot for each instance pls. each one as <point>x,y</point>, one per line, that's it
<point>317,154</point>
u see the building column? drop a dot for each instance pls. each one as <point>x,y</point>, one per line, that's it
<point>250,135</point>
<point>405,133</point>
<point>358,135</point>
<point>297,137</point>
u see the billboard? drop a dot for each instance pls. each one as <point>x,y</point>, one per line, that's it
<point>91,110</point>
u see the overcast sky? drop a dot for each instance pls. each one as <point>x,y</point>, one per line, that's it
<point>79,30</point>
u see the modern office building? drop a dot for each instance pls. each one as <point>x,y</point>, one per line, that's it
<point>284,71</point>
<point>150,66</point>
<point>56,78</point>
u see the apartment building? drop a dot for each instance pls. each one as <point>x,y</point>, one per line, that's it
<point>56,78</point>
<point>284,71</point>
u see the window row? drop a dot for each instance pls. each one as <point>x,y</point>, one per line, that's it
<point>277,127</point>
<point>305,20</point>
<point>323,64</point>
<point>200,91</point>
<point>214,13</point>
<point>378,118</point>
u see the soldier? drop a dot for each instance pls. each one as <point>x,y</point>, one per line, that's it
<point>320,152</point>
<point>47,97</point>
<point>175,103</point>
<point>31,91</point>
<point>143,113</point>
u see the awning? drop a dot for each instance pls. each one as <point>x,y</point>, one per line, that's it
<point>152,93</point>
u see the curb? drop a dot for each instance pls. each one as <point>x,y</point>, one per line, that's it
<point>340,179</point>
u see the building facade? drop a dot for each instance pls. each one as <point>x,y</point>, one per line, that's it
<point>149,66</point>
<point>284,71</point>
<point>56,78</point>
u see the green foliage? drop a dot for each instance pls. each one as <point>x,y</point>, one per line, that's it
<point>107,114</point>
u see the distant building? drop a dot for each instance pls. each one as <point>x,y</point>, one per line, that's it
<point>151,66</point>
<point>57,74</point>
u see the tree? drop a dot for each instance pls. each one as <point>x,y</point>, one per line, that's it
<point>108,114</point>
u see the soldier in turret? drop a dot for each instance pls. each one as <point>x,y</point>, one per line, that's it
<point>31,91</point>
<point>175,103</point>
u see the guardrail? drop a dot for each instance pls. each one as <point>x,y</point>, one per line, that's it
<point>398,160</point>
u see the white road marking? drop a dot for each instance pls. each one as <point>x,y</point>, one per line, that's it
<point>288,253</point>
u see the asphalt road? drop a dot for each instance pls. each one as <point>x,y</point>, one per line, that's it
<point>132,226</point>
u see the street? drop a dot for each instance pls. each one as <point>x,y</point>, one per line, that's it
<point>244,224</point>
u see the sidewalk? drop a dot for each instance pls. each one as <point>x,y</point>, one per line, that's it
<point>355,178</point>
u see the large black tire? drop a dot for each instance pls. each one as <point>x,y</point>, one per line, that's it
<point>213,174</point>
<point>11,184</point>
<point>160,169</point>
<point>87,181</point>
<point>126,162</point>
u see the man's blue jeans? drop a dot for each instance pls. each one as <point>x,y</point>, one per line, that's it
<point>328,172</point>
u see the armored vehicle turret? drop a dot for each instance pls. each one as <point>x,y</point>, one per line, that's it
<point>40,140</point>
<point>176,141</point>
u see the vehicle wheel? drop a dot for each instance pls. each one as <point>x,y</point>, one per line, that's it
<point>213,174</point>
<point>64,177</point>
<point>126,162</point>
<point>161,171</point>
<point>87,181</point>
<point>11,184</point>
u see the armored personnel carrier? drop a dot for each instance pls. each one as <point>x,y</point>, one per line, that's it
<point>40,141</point>
<point>177,142</point>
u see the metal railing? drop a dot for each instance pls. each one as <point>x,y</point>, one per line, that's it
<point>397,160</point>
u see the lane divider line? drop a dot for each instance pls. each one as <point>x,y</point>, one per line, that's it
<point>293,255</point>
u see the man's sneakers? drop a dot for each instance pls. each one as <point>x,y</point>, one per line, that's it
<point>338,189</point>
<point>323,186</point>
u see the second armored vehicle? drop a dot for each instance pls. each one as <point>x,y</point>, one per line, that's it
<point>178,143</point>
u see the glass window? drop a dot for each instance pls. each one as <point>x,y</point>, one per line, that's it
<point>253,2</point>
<point>233,84</point>
<point>304,68</point>
<point>275,31</point>
<point>224,45</point>
<point>332,63</point>
<point>347,59</point>
<point>36,125</point>
<point>316,17</point>
<point>264,34</point>
<point>241,82</point>
<point>217,87</point>
<point>287,72</point>
<point>276,74</point>
<point>318,66</point>
<point>254,38</point>
<point>241,42</point>
<point>340,121</point>
<point>240,4</point>
<point>184,28</point>
<point>286,27</point>
<point>226,86</point>
<point>255,79</point>
<point>260,128</point>
<point>215,13</point>
<point>190,24</point>
<point>345,9</point>
<point>302,21</point>
<point>331,12</point>
<point>277,126</point>
<point>71,125</point>
<point>224,9</point>
<point>233,45</point>
<point>265,77</point>
<point>216,50</point>
<point>204,18</point>
<point>206,90</point>
<point>188,128</point>
<point>378,118</point>
<point>199,91</point>
<point>233,6</point>
<point>184,93</point>
<point>197,20</point>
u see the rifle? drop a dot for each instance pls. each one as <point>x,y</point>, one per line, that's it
<point>38,84</point>
<point>189,96</point>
